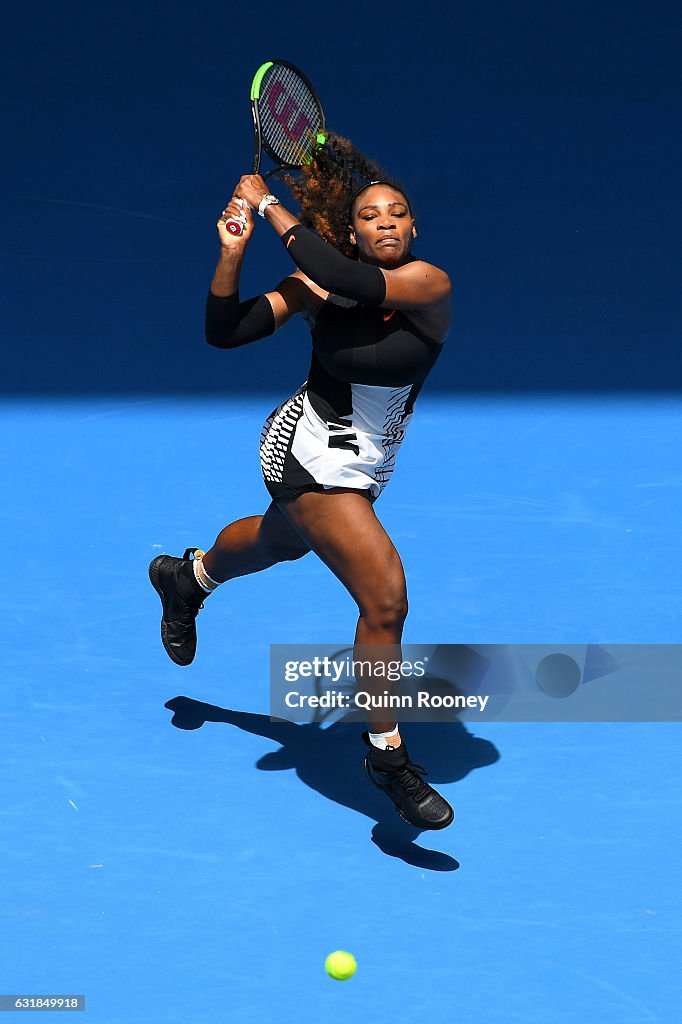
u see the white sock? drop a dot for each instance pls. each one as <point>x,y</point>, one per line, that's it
<point>206,583</point>
<point>382,740</point>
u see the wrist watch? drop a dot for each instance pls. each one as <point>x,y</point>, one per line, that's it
<point>266,201</point>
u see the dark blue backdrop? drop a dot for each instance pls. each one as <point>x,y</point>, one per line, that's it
<point>540,143</point>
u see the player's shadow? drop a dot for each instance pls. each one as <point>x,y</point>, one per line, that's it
<point>331,761</point>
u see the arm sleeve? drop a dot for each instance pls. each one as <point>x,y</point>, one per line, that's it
<point>231,323</point>
<point>332,271</point>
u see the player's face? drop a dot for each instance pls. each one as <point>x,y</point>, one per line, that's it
<point>382,226</point>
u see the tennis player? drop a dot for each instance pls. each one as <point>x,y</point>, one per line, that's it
<point>378,318</point>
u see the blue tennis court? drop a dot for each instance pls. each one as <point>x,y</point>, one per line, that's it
<point>174,870</point>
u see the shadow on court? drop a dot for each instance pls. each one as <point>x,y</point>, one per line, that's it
<point>331,761</point>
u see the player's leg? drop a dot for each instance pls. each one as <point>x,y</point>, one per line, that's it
<point>252,544</point>
<point>246,546</point>
<point>342,528</point>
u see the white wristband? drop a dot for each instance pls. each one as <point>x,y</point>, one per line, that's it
<point>266,201</point>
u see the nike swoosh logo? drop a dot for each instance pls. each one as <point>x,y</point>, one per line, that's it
<point>387,316</point>
<point>289,241</point>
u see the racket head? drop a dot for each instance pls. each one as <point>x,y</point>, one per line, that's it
<point>288,119</point>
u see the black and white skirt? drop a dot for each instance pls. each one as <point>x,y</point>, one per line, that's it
<point>302,450</point>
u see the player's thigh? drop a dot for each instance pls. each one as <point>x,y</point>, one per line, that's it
<point>342,528</point>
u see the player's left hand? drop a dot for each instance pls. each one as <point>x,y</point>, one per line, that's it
<point>237,210</point>
<point>252,188</point>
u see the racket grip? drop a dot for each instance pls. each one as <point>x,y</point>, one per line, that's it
<point>234,226</point>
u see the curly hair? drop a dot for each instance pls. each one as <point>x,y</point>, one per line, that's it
<point>327,185</point>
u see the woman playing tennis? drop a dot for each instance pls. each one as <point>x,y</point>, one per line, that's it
<point>378,318</point>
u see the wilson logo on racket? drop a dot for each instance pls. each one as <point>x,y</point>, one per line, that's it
<point>284,112</point>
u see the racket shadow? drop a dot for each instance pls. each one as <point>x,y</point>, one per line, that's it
<point>331,762</point>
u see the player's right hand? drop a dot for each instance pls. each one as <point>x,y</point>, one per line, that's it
<point>236,209</point>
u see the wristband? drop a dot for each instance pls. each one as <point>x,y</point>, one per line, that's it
<point>266,201</point>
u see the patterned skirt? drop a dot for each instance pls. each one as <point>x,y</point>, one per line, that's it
<point>302,451</point>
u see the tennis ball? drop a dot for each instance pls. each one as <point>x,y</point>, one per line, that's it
<point>340,965</point>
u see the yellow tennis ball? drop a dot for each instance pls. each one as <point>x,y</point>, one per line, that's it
<point>340,965</point>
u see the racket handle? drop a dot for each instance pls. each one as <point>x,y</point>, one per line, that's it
<point>234,226</point>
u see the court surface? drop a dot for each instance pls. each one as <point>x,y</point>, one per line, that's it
<point>186,873</point>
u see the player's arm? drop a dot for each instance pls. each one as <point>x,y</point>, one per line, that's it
<point>230,322</point>
<point>416,286</point>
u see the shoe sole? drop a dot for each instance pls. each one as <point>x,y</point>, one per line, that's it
<point>154,567</point>
<point>433,827</point>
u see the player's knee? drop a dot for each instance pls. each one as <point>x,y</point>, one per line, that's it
<point>387,609</point>
<point>278,540</point>
<point>292,554</point>
<point>285,552</point>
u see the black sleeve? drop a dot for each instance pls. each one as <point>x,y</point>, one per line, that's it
<point>331,270</point>
<point>231,323</point>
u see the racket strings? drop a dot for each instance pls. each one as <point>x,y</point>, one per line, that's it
<point>290,116</point>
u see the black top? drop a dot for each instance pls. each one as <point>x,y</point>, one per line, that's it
<point>359,344</point>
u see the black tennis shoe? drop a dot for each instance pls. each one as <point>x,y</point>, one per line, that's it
<point>416,802</point>
<point>181,599</point>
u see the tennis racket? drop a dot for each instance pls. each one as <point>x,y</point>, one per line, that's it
<point>288,121</point>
